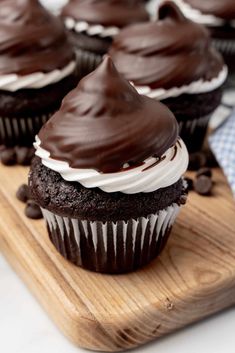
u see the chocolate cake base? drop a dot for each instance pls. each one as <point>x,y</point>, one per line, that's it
<point>109,247</point>
<point>109,233</point>
<point>193,112</point>
<point>71,199</point>
<point>22,113</point>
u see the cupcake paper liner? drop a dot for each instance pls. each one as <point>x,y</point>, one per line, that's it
<point>193,132</point>
<point>20,131</point>
<point>111,247</point>
<point>226,46</point>
<point>87,62</point>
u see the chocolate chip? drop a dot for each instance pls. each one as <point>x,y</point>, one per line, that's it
<point>22,193</point>
<point>32,210</point>
<point>8,156</point>
<point>204,171</point>
<point>24,155</point>
<point>183,199</point>
<point>203,185</point>
<point>189,183</point>
<point>197,160</point>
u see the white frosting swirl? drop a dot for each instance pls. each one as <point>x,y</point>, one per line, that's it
<point>91,30</point>
<point>195,87</point>
<point>199,17</point>
<point>152,175</point>
<point>14,82</point>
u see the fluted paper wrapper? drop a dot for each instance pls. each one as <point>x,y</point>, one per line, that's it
<point>87,62</point>
<point>227,48</point>
<point>21,131</point>
<point>193,132</point>
<point>111,247</point>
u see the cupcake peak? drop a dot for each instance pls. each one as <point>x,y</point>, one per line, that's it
<point>104,124</point>
<point>107,13</point>
<point>171,52</point>
<point>31,39</point>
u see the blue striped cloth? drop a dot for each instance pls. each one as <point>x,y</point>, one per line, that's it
<point>222,143</point>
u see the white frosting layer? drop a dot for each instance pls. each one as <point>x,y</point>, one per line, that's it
<point>91,30</point>
<point>195,87</point>
<point>199,17</point>
<point>150,176</point>
<point>14,82</point>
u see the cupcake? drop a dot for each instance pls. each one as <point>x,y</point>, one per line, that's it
<point>37,69</point>
<point>172,60</point>
<point>219,17</point>
<point>108,174</point>
<point>93,24</point>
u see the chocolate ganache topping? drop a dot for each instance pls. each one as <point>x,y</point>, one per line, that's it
<point>170,52</point>
<point>31,39</point>
<point>104,123</point>
<point>224,9</point>
<point>118,13</point>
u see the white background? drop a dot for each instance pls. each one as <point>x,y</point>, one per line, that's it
<point>25,328</point>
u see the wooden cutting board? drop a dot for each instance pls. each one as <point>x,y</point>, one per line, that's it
<point>193,278</point>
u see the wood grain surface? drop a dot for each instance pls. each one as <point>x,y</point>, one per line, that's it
<point>193,278</point>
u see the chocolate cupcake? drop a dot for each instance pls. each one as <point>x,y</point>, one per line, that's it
<point>172,60</point>
<point>108,174</point>
<point>37,69</point>
<point>93,24</point>
<point>219,17</point>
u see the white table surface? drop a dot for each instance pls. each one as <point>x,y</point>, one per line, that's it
<point>25,328</point>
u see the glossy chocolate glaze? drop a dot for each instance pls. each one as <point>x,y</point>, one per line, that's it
<point>170,52</point>
<point>104,123</point>
<point>31,39</point>
<point>118,13</point>
<point>224,9</point>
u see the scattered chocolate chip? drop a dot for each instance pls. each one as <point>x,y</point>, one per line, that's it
<point>197,160</point>
<point>22,193</point>
<point>24,155</point>
<point>203,185</point>
<point>8,156</point>
<point>32,210</point>
<point>189,183</point>
<point>183,199</point>
<point>211,161</point>
<point>204,171</point>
